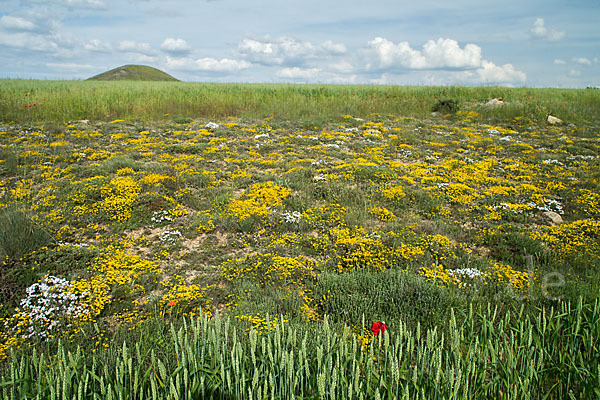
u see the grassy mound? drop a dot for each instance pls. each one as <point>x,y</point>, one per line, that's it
<point>133,73</point>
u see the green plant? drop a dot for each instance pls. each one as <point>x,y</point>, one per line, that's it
<point>383,295</point>
<point>19,234</point>
<point>478,355</point>
<point>446,106</point>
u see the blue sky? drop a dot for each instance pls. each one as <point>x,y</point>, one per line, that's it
<point>468,42</point>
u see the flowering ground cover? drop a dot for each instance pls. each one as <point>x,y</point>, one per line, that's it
<point>111,231</point>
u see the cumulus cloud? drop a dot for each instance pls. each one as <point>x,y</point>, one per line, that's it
<point>30,42</point>
<point>440,54</point>
<point>54,44</point>
<point>314,75</point>
<point>444,57</point>
<point>299,73</point>
<point>35,20</point>
<point>223,65</point>
<point>130,46</point>
<point>495,74</point>
<point>446,53</point>
<point>97,45</point>
<point>133,51</point>
<point>287,51</point>
<point>16,23</point>
<point>540,31</point>
<point>582,61</point>
<point>175,46</point>
<point>558,61</point>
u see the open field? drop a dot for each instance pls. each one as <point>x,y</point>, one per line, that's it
<point>238,241</point>
<point>62,101</point>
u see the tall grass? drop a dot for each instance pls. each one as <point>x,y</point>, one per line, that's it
<point>553,355</point>
<point>62,101</point>
<point>19,234</point>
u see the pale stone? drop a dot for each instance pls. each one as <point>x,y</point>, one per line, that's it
<point>494,103</point>
<point>554,217</point>
<point>553,120</point>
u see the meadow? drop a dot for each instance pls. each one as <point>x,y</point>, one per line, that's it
<point>187,240</point>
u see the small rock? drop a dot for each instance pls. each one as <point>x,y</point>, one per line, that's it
<point>494,103</point>
<point>553,120</point>
<point>554,217</point>
<point>212,125</point>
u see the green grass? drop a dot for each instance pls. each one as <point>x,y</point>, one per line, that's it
<point>551,354</point>
<point>313,105</point>
<point>19,234</point>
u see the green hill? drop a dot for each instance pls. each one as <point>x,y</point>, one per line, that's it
<point>133,73</point>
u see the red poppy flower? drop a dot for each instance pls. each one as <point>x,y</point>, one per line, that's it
<point>378,327</point>
<point>172,303</point>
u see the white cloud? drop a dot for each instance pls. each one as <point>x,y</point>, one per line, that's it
<point>574,73</point>
<point>440,54</point>
<point>300,73</point>
<point>207,64</point>
<point>333,48</point>
<point>448,62</point>
<point>539,31</point>
<point>342,67</point>
<point>446,53</point>
<point>16,23</point>
<point>287,51</point>
<point>175,46</point>
<point>130,46</point>
<point>141,58</point>
<point>401,54</point>
<point>558,61</point>
<point>134,51</point>
<point>69,66</point>
<point>36,20</point>
<point>97,45</point>
<point>492,73</point>
<point>582,61</point>
<point>29,42</point>
<point>314,75</point>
